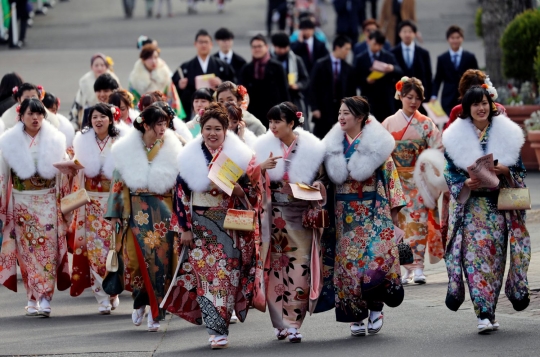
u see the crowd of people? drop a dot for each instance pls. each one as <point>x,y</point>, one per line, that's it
<point>292,220</point>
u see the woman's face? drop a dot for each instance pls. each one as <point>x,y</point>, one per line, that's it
<point>227,96</point>
<point>157,132</point>
<point>280,128</point>
<point>233,124</point>
<point>124,111</point>
<point>213,134</point>
<point>199,104</point>
<point>99,67</point>
<point>27,94</point>
<point>32,121</point>
<point>347,120</point>
<point>151,62</point>
<point>411,102</point>
<point>100,123</point>
<point>480,111</point>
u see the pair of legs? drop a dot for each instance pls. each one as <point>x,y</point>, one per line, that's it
<point>169,8</point>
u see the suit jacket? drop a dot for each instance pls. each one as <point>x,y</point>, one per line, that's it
<point>326,97</point>
<point>237,62</point>
<point>193,68</point>
<point>267,92</point>
<point>421,67</point>
<point>446,73</point>
<point>302,81</point>
<point>319,51</point>
<point>380,94</point>
<point>388,20</point>
<point>347,17</point>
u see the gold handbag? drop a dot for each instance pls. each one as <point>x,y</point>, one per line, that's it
<point>74,200</point>
<point>112,256</point>
<point>514,199</point>
<point>240,220</point>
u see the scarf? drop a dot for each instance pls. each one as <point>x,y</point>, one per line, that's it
<point>260,66</point>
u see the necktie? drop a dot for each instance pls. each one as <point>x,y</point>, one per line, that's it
<point>336,76</point>
<point>408,55</point>
<point>308,51</point>
<point>455,61</point>
<point>225,59</point>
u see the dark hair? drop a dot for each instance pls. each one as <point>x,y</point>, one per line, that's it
<point>370,22</point>
<point>148,51</point>
<point>258,37</point>
<point>474,95</point>
<point>285,111</point>
<point>104,82</point>
<point>151,116</point>
<point>50,100</point>
<point>228,85</point>
<point>149,99</point>
<point>203,93</point>
<point>281,40</point>
<point>168,110</point>
<point>24,88</point>
<point>35,105</point>
<point>9,81</point>
<point>306,24</point>
<point>100,56</point>
<point>224,34</point>
<point>234,111</point>
<point>120,96</point>
<point>202,32</point>
<point>413,84</point>
<point>305,15</point>
<point>408,23</point>
<point>340,41</point>
<point>215,111</point>
<point>471,77</point>
<point>104,109</point>
<point>358,106</point>
<point>454,29</point>
<point>378,36</point>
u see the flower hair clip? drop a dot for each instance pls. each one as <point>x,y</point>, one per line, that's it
<point>41,91</point>
<point>15,90</point>
<point>300,117</point>
<point>18,109</point>
<point>139,119</point>
<point>241,90</point>
<point>489,87</point>
<point>116,113</point>
<point>139,105</point>
<point>201,112</point>
<point>399,86</point>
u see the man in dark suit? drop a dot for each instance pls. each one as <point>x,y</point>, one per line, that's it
<point>264,79</point>
<point>309,48</point>
<point>413,59</point>
<point>297,75</point>
<point>379,92</point>
<point>203,63</point>
<point>332,79</point>
<point>450,67</point>
<point>368,27</point>
<point>225,40</point>
<point>347,22</point>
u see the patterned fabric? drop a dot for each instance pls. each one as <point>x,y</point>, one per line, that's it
<point>478,244</point>
<point>421,224</point>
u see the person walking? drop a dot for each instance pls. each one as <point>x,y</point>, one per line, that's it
<point>392,14</point>
<point>9,81</point>
<point>347,22</point>
<point>308,47</point>
<point>225,40</point>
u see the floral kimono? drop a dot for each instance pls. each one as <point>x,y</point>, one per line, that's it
<point>480,234</point>
<point>33,228</point>
<point>366,269</point>
<point>216,277</point>
<point>89,232</point>
<point>141,195</point>
<point>290,253</point>
<point>415,136</point>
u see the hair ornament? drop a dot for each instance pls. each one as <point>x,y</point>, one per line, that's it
<point>201,112</point>
<point>15,90</point>
<point>109,61</point>
<point>57,104</point>
<point>399,86</point>
<point>241,90</point>
<point>139,105</point>
<point>139,119</point>
<point>115,112</point>
<point>300,117</point>
<point>489,87</point>
<point>18,109</point>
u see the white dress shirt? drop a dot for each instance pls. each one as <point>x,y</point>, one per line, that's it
<point>406,53</point>
<point>204,64</point>
<point>459,54</point>
<point>228,56</point>
<point>309,42</point>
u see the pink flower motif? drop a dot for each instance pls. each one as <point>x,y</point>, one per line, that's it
<point>279,289</point>
<point>280,223</point>
<point>284,261</point>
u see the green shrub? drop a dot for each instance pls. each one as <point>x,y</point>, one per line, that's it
<point>478,23</point>
<point>519,42</point>
<point>537,64</point>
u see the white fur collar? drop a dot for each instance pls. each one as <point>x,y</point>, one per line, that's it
<point>462,145</point>
<point>306,162</point>
<point>131,160</point>
<point>52,147</point>
<point>143,81</point>
<point>376,145</point>
<point>86,86</point>
<point>88,154</point>
<point>193,165</point>
<point>10,117</point>
<point>182,129</point>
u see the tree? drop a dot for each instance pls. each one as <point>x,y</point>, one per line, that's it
<point>496,14</point>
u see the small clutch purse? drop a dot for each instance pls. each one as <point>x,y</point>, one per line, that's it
<point>514,199</point>
<point>240,220</point>
<point>73,201</point>
<point>315,218</point>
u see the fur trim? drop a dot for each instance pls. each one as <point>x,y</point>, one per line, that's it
<point>143,81</point>
<point>86,86</point>
<point>431,182</point>
<point>87,152</point>
<point>181,129</point>
<point>193,165</point>
<point>249,137</point>
<point>66,128</point>
<point>131,161</point>
<point>2,127</point>
<point>306,162</point>
<point>376,145</point>
<point>52,148</point>
<point>505,141</point>
<point>10,117</point>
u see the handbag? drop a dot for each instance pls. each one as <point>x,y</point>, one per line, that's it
<point>113,284</point>
<point>112,256</point>
<point>74,200</point>
<point>405,254</point>
<point>240,220</point>
<point>511,199</point>
<point>315,218</point>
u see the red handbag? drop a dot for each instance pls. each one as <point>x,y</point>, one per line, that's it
<point>316,218</point>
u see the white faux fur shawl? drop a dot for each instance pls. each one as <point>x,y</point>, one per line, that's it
<point>52,148</point>
<point>144,81</point>
<point>193,165</point>
<point>376,145</point>
<point>86,96</point>
<point>430,182</point>
<point>305,163</point>
<point>182,129</point>
<point>462,145</point>
<point>131,161</point>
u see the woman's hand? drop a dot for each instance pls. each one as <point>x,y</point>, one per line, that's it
<point>238,190</point>
<point>270,163</point>
<point>472,184</point>
<point>183,83</point>
<point>186,239</point>
<point>115,221</point>
<point>501,170</point>
<point>241,129</point>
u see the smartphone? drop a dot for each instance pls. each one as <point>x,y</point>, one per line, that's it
<point>495,162</point>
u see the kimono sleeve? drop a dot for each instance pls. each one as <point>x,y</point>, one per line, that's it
<point>455,179</point>
<point>518,173</point>
<point>181,218</point>
<point>396,197</point>
<point>434,136</point>
<point>119,204</point>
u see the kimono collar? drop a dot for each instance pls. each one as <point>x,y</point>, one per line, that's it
<point>144,81</point>
<point>88,153</point>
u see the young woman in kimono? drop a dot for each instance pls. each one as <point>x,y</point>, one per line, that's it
<point>34,230</point>
<point>479,233</point>
<point>368,198</point>
<point>123,99</point>
<point>217,271</point>
<point>288,154</point>
<point>141,201</point>
<point>418,141</point>
<point>90,231</point>
<point>238,126</point>
<point>201,99</point>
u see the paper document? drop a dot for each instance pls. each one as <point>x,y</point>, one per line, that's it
<point>482,170</point>
<point>203,81</point>
<point>67,167</point>
<point>436,113</point>
<point>302,191</point>
<point>225,173</point>
<point>375,75</point>
<point>292,78</point>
